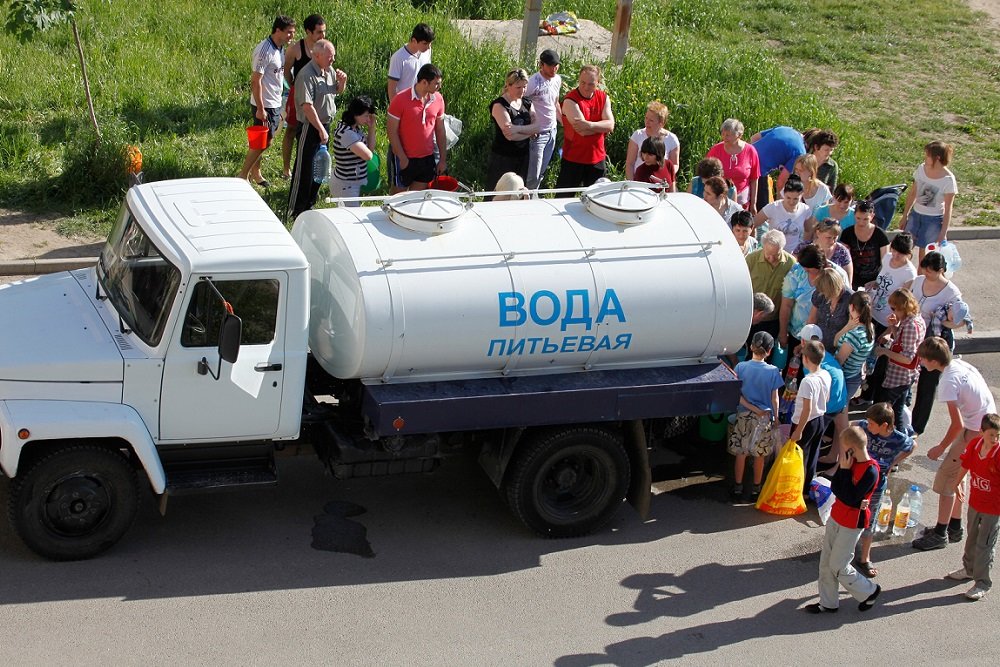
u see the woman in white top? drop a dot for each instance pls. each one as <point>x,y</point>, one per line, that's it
<point>927,211</point>
<point>788,214</point>
<point>655,122</point>
<point>815,192</point>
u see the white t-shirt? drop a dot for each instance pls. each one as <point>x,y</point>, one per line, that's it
<point>962,383</point>
<point>732,208</point>
<point>889,280</point>
<point>931,191</point>
<point>815,387</point>
<point>269,62</point>
<point>544,96</point>
<point>670,142</point>
<point>821,197</point>
<point>403,67</point>
<point>791,224</point>
<point>928,304</point>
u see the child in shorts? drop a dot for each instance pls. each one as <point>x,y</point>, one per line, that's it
<point>887,447</point>
<point>756,418</point>
<point>982,459</point>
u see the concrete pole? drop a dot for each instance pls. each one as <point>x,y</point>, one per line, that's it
<point>619,38</point>
<point>529,31</point>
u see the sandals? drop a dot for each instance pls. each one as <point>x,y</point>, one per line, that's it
<point>866,568</point>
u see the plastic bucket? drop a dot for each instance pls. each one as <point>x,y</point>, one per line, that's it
<point>257,137</point>
<point>448,183</point>
<point>374,175</point>
<point>713,427</point>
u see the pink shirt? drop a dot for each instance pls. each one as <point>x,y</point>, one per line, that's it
<point>742,169</point>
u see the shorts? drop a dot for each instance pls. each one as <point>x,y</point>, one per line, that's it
<point>950,474</point>
<point>752,435</point>
<point>924,228</point>
<point>419,170</point>
<point>272,122</point>
<point>290,118</point>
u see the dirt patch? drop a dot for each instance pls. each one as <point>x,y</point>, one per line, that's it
<point>990,7</point>
<point>34,236</point>
<point>590,42</point>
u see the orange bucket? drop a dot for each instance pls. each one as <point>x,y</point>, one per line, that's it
<point>257,136</point>
<point>448,183</point>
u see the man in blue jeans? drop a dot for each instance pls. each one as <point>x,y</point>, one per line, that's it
<point>543,90</point>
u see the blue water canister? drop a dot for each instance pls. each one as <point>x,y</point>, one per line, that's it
<point>321,164</point>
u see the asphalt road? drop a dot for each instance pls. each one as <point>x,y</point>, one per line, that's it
<point>454,579</point>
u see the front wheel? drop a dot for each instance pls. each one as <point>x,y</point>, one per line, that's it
<point>75,502</point>
<point>570,482</point>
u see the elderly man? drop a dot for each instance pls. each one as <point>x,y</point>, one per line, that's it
<point>768,267</point>
<point>316,88</point>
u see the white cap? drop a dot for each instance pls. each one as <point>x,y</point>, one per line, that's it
<point>811,331</point>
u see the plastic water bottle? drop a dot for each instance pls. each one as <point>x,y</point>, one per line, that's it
<point>321,164</point>
<point>951,256</point>
<point>916,504</point>
<point>882,520</point>
<point>902,516</point>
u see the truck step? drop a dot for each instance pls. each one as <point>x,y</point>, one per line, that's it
<point>191,481</point>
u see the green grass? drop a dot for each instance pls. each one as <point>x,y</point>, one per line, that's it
<point>175,84</point>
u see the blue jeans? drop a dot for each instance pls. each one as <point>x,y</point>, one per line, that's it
<point>924,228</point>
<point>539,155</point>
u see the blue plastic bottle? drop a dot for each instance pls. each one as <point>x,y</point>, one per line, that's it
<point>321,164</point>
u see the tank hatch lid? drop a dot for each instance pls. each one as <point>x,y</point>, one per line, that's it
<point>426,211</point>
<point>623,203</point>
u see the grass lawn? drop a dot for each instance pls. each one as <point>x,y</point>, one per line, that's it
<point>174,81</point>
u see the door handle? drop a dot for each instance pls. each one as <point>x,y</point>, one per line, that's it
<point>263,368</point>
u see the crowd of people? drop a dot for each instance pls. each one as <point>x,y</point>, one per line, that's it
<point>833,293</point>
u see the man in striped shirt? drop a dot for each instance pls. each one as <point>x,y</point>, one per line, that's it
<point>265,91</point>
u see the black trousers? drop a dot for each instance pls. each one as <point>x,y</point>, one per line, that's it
<point>302,191</point>
<point>575,175</point>
<point>926,391</point>
<point>812,436</point>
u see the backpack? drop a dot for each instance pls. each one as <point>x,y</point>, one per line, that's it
<point>885,200</point>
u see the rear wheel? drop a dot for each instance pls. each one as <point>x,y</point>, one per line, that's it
<point>74,502</point>
<point>569,482</point>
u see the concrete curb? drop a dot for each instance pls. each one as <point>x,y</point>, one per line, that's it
<point>31,267</point>
<point>981,343</point>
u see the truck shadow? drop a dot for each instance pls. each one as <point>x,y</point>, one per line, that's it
<point>452,523</point>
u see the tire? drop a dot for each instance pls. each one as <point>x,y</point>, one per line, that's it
<point>569,482</point>
<point>74,502</point>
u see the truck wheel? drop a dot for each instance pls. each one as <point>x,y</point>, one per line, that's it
<point>570,482</point>
<point>75,502</point>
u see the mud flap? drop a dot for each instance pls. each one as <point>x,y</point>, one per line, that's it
<point>641,480</point>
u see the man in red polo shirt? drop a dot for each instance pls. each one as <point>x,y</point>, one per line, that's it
<point>587,118</point>
<point>415,118</point>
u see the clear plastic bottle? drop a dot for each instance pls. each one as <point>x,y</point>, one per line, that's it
<point>884,518</point>
<point>793,366</point>
<point>916,505</point>
<point>902,516</point>
<point>788,398</point>
<point>321,164</point>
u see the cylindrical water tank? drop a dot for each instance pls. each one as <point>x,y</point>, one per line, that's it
<point>620,278</point>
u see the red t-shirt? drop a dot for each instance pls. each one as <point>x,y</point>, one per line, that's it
<point>665,174</point>
<point>417,120</point>
<point>585,149</point>
<point>984,477</point>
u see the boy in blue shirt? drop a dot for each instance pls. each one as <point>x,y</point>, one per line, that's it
<point>887,447</point>
<point>756,418</point>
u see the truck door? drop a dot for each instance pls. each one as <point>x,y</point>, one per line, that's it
<point>245,401</point>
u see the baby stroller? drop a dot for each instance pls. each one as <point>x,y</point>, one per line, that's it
<point>885,200</point>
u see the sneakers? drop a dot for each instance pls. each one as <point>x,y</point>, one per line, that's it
<point>736,494</point>
<point>959,575</point>
<point>755,493</point>
<point>976,593</point>
<point>930,540</point>
<point>956,534</point>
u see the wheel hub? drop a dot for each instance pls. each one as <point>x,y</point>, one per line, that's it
<point>76,505</point>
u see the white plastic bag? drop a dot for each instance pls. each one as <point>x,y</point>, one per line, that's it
<point>819,491</point>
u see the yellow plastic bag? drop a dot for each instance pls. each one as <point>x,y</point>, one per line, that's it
<point>782,490</point>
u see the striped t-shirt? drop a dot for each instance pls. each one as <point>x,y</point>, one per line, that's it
<point>269,61</point>
<point>858,339</point>
<point>349,167</point>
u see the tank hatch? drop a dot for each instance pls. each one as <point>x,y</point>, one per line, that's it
<point>426,211</point>
<point>623,203</point>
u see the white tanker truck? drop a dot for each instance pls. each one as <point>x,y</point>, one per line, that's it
<point>551,335</point>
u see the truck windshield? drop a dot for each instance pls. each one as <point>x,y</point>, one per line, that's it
<point>140,283</point>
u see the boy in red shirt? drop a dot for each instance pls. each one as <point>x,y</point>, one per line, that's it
<point>982,459</point>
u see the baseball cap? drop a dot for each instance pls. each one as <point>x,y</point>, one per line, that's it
<point>549,57</point>
<point>811,331</point>
<point>762,341</point>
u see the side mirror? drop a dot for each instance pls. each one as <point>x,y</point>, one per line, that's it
<point>230,335</point>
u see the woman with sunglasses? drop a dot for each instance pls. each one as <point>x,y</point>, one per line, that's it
<point>514,124</point>
<point>740,163</point>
